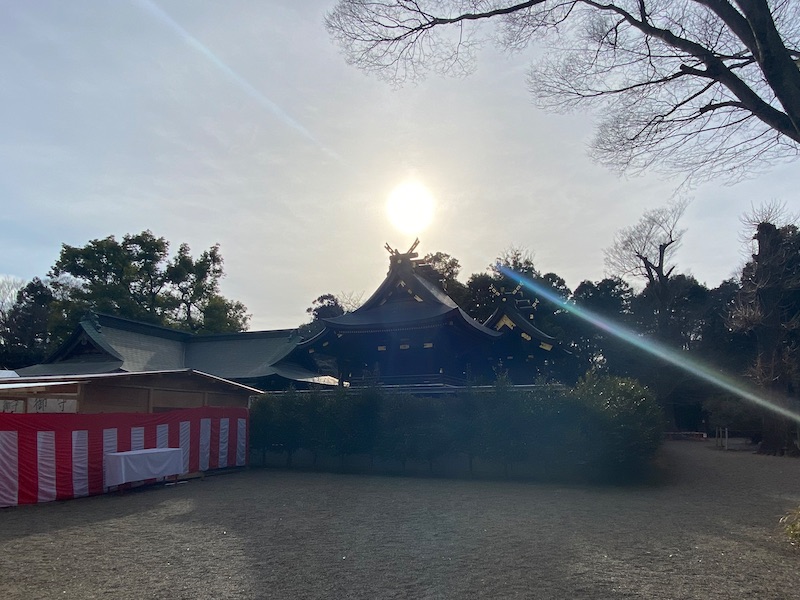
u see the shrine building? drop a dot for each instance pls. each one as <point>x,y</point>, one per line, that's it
<point>409,332</point>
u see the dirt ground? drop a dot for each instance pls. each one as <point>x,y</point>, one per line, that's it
<point>708,529</point>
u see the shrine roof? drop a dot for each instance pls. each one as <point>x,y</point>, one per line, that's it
<point>507,311</point>
<point>242,355</point>
<point>105,344</point>
<point>407,297</point>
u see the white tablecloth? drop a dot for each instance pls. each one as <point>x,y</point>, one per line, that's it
<point>137,465</point>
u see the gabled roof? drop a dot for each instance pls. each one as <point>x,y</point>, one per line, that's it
<point>512,313</point>
<point>104,344</point>
<point>108,344</point>
<point>407,298</point>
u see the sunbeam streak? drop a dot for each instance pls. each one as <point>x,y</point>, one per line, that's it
<point>155,10</point>
<point>692,366</point>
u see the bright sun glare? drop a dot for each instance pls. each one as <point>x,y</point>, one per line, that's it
<point>410,207</point>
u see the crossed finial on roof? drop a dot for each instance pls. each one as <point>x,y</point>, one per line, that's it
<point>504,292</point>
<point>410,252</point>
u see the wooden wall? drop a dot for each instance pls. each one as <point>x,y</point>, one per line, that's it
<point>105,398</point>
<point>112,398</point>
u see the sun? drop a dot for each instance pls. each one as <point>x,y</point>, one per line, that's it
<point>410,207</point>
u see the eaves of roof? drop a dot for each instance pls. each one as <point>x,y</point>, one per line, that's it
<point>78,378</point>
<point>69,368</point>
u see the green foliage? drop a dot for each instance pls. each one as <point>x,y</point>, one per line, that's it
<point>412,428</point>
<point>506,425</point>
<point>116,277</point>
<point>481,296</point>
<point>356,418</point>
<point>192,284</point>
<point>606,427</point>
<point>25,331</point>
<point>791,525</point>
<point>325,306</point>
<point>560,442</point>
<point>131,278</point>
<point>221,315</point>
<point>317,423</point>
<point>465,421</point>
<point>262,421</point>
<point>289,431</point>
<point>445,265</point>
<point>134,278</point>
<point>629,422</point>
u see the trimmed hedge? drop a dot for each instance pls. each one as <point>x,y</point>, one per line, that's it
<point>606,427</point>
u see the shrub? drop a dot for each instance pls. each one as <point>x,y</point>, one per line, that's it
<point>791,525</point>
<point>629,423</point>
<point>507,425</point>
<point>261,418</point>
<point>412,428</point>
<point>605,427</point>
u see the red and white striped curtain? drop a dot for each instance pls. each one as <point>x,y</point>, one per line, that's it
<point>45,457</point>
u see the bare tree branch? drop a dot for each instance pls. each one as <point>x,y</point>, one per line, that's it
<point>667,76</point>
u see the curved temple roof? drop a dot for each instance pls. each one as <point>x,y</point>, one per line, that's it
<point>406,297</point>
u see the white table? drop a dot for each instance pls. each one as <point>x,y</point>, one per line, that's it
<point>138,465</point>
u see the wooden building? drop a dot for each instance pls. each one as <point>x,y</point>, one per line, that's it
<point>60,436</point>
<point>121,392</point>
<point>109,344</point>
<point>409,332</point>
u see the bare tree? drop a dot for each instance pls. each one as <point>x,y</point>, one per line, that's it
<point>9,288</point>
<point>645,250</point>
<point>704,88</point>
<point>518,259</point>
<point>350,301</point>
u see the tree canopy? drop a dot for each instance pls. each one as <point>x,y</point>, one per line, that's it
<point>134,278</point>
<point>325,306</point>
<point>698,87</point>
<point>768,305</point>
<point>124,277</point>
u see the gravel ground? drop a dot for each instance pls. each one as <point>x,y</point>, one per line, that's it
<point>708,529</point>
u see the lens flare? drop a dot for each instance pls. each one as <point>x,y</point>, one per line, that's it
<point>692,366</point>
<point>156,11</point>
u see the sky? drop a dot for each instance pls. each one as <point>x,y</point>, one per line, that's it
<point>240,123</point>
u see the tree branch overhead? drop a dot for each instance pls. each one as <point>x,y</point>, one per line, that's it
<point>665,78</point>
